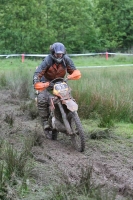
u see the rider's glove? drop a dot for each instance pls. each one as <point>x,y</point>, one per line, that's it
<point>75,75</point>
<point>41,86</point>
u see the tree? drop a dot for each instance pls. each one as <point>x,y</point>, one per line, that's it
<point>72,23</point>
<point>31,26</point>
<point>114,19</point>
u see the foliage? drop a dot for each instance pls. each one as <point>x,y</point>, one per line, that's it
<point>114,19</point>
<point>33,26</point>
<point>83,26</point>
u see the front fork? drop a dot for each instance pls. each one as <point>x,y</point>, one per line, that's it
<point>66,123</point>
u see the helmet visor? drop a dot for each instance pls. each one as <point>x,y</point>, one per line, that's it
<point>58,55</point>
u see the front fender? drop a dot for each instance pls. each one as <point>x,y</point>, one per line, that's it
<point>71,105</point>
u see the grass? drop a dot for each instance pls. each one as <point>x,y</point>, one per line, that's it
<point>110,141</point>
<point>105,102</point>
<point>121,129</point>
<point>105,93</point>
<point>124,129</point>
<point>83,190</point>
<point>15,169</point>
<point>30,107</point>
<point>101,60</point>
<point>13,63</point>
<point>10,169</point>
<point>9,118</point>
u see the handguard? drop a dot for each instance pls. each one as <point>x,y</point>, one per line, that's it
<point>41,86</point>
<point>75,75</point>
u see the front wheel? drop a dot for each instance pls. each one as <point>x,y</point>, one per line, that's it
<point>78,137</point>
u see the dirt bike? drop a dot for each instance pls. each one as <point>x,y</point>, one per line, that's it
<point>63,114</point>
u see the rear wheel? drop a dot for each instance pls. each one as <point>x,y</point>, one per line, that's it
<point>78,137</point>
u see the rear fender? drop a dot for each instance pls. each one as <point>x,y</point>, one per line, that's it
<point>71,105</point>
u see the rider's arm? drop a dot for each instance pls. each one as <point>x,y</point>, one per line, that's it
<point>71,69</point>
<point>69,64</point>
<point>40,71</point>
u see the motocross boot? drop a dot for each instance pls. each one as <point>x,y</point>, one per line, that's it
<point>48,134</point>
<point>43,111</point>
<point>46,125</point>
<point>46,129</point>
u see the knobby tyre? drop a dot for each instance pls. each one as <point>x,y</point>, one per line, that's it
<point>78,137</point>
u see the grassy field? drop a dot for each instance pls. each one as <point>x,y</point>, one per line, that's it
<point>103,93</point>
<point>104,96</point>
<point>98,60</point>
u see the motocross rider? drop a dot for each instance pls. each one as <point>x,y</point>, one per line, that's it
<point>55,65</point>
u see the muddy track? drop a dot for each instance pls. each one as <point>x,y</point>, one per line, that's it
<point>112,173</point>
<point>110,168</point>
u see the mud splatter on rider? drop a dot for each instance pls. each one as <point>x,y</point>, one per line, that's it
<point>55,65</point>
